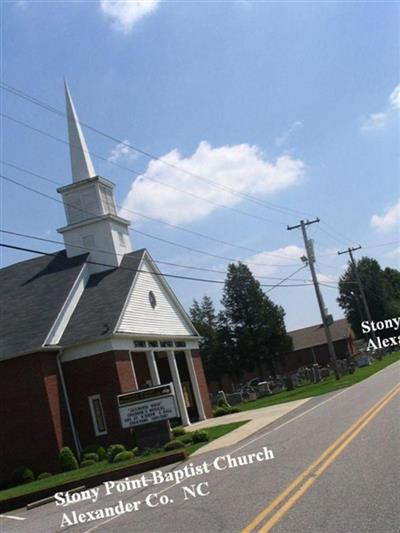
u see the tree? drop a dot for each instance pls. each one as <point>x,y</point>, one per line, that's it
<point>382,291</point>
<point>256,324</point>
<point>214,346</point>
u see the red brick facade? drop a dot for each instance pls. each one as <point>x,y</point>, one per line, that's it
<point>201,379</point>
<point>33,417</point>
<point>107,374</point>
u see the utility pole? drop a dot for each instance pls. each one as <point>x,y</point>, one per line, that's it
<point>311,261</point>
<point>362,292</point>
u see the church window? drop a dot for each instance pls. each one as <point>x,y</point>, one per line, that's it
<point>96,409</point>
<point>152,299</point>
<point>121,239</point>
<point>108,200</point>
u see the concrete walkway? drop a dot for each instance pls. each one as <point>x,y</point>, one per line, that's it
<point>258,418</point>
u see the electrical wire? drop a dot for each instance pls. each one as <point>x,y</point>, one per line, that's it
<point>269,205</point>
<point>113,267</point>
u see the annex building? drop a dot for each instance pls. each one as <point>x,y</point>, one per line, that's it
<point>80,326</point>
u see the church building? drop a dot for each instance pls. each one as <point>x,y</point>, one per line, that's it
<point>85,324</point>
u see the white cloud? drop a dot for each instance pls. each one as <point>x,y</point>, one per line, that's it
<point>394,253</point>
<point>241,167</point>
<point>395,97</point>
<point>124,14</point>
<point>326,278</point>
<point>389,220</point>
<point>265,263</point>
<point>377,121</point>
<point>374,122</point>
<point>281,139</point>
<point>122,152</point>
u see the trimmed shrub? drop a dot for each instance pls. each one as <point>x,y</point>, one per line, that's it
<point>200,436</point>
<point>123,456</point>
<point>44,475</point>
<point>135,450</point>
<point>173,445</point>
<point>87,462</point>
<point>178,432</point>
<point>186,439</point>
<point>22,475</point>
<point>235,410</point>
<point>114,450</point>
<point>91,457</point>
<point>94,448</point>
<point>221,411</point>
<point>67,460</point>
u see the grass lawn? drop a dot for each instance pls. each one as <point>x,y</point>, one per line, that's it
<point>83,473</point>
<point>328,385</point>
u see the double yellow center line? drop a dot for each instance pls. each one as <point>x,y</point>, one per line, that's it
<point>274,511</point>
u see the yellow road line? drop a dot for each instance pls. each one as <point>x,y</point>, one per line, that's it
<point>335,445</point>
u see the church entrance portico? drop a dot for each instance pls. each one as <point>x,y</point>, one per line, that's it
<point>176,366</point>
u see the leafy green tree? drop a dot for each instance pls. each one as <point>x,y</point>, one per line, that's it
<point>256,324</point>
<point>382,291</point>
<point>214,346</point>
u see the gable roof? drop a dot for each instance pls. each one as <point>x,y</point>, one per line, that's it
<point>102,301</point>
<point>315,335</point>
<point>32,294</point>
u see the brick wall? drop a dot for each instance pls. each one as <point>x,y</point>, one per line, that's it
<point>201,379</point>
<point>107,374</point>
<point>33,417</point>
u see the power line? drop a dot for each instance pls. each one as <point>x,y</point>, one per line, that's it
<point>288,277</point>
<point>175,226</point>
<point>112,267</point>
<point>85,248</point>
<point>203,252</point>
<point>269,205</point>
<point>137,173</point>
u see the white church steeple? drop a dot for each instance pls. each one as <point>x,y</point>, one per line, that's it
<point>93,225</point>
<point>81,163</point>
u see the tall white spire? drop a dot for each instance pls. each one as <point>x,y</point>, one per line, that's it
<point>81,163</point>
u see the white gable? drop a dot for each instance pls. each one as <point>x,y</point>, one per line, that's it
<point>140,317</point>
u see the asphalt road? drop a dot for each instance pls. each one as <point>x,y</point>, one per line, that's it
<point>354,485</point>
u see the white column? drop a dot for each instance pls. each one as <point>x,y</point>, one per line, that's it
<point>178,388</point>
<point>195,385</point>
<point>152,364</point>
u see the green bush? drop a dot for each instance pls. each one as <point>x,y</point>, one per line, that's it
<point>135,451</point>
<point>221,411</point>
<point>21,475</point>
<point>67,460</point>
<point>200,436</point>
<point>95,448</point>
<point>235,410</point>
<point>113,450</point>
<point>91,457</point>
<point>123,456</point>
<point>173,445</point>
<point>178,432</point>
<point>44,475</point>
<point>186,439</point>
<point>87,462</point>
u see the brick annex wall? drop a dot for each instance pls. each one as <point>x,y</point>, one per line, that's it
<point>33,417</point>
<point>201,379</point>
<point>107,374</point>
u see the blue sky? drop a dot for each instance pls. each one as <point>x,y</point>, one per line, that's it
<point>291,103</point>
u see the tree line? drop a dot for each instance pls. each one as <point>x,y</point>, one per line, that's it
<point>248,334</point>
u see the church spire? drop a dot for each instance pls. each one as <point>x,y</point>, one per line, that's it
<point>81,163</point>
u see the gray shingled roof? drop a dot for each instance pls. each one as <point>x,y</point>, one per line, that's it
<point>102,301</point>
<point>315,335</point>
<point>31,296</point>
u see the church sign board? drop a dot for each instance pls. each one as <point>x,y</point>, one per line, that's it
<point>146,406</point>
